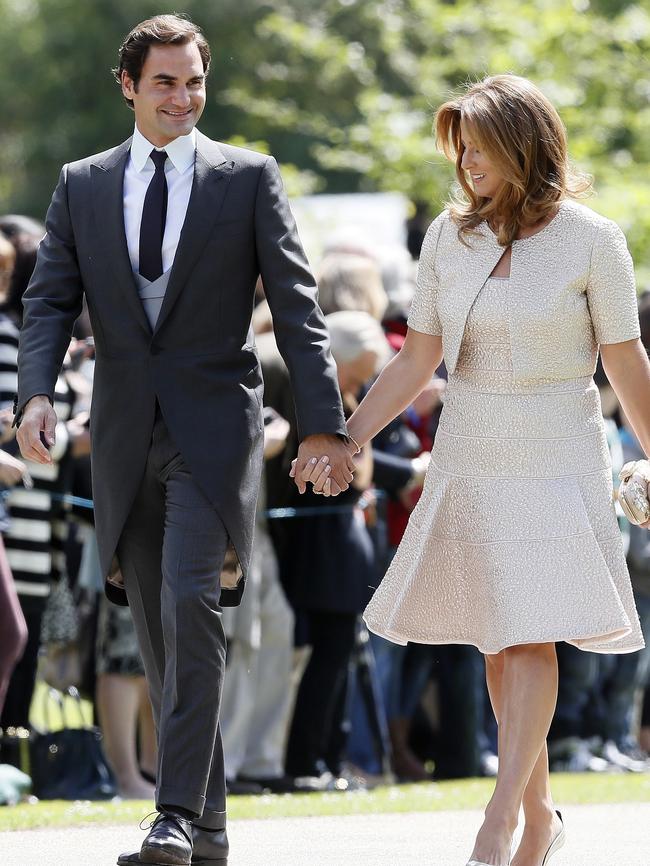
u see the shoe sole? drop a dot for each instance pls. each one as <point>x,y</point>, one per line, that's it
<point>557,844</point>
<point>154,862</point>
<point>123,861</point>
<point>210,862</point>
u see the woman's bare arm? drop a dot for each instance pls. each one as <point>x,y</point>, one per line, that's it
<point>628,370</point>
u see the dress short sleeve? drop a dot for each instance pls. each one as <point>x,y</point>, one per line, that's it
<point>423,316</point>
<point>611,291</point>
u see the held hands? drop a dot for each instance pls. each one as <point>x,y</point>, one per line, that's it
<point>325,461</point>
<point>38,417</point>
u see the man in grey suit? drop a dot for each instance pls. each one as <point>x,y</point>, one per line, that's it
<point>165,236</point>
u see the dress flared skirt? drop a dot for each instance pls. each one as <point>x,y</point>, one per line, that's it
<point>515,538</point>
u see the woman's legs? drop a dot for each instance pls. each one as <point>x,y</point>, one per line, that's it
<point>118,705</point>
<point>13,628</point>
<point>522,681</point>
<point>537,800</point>
<point>20,691</point>
<point>146,732</point>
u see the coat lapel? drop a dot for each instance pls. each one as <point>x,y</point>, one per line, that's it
<point>108,204</point>
<point>469,268</point>
<point>212,174</point>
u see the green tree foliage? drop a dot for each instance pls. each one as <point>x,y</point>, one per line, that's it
<point>342,91</point>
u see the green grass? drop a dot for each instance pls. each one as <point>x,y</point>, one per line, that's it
<point>465,794</point>
<point>461,794</point>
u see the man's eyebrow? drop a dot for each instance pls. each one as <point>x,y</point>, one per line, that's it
<point>166,76</point>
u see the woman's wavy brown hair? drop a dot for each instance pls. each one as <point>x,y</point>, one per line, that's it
<point>521,133</point>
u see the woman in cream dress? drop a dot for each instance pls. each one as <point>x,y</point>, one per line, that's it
<point>514,544</point>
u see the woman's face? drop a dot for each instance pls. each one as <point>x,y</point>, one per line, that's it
<point>484,176</point>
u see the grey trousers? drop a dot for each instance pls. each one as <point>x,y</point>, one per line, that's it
<point>171,552</point>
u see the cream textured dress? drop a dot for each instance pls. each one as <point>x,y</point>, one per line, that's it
<point>515,538</point>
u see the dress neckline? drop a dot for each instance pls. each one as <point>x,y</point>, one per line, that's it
<point>560,208</point>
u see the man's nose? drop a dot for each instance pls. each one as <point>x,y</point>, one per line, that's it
<point>182,97</point>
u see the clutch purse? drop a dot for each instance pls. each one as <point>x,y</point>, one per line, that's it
<point>633,491</point>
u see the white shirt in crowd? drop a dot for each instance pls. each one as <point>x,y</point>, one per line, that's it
<point>179,173</point>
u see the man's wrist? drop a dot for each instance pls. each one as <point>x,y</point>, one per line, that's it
<point>36,400</point>
<point>39,399</point>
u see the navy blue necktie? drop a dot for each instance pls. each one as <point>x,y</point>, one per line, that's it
<point>154,215</point>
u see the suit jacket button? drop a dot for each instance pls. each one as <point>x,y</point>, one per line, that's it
<point>155,350</point>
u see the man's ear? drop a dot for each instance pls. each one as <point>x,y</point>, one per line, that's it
<point>128,86</point>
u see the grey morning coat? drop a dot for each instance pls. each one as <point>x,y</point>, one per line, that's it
<point>199,361</point>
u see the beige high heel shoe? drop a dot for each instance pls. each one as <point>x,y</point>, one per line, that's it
<point>557,843</point>
<point>479,863</point>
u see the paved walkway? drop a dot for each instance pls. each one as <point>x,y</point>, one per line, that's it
<point>597,836</point>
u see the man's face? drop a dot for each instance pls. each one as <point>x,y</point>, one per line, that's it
<point>170,95</point>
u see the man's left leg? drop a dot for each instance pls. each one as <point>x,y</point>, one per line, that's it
<point>194,547</point>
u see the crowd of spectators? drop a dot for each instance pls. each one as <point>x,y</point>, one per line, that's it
<point>311,700</point>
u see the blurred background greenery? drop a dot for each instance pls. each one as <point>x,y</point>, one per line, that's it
<point>341,91</point>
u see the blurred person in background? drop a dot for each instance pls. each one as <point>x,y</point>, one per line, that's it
<point>255,702</point>
<point>114,668</point>
<point>630,675</point>
<point>575,741</point>
<point>36,535</point>
<point>13,628</point>
<point>327,576</point>
<point>348,281</point>
<point>122,701</point>
<point>594,727</point>
<point>639,556</point>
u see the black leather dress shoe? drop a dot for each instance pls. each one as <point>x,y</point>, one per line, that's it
<point>210,847</point>
<point>169,842</point>
<point>129,859</point>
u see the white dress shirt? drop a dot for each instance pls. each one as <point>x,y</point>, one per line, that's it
<point>179,173</point>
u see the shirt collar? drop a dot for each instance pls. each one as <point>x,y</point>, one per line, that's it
<point>180,151</point>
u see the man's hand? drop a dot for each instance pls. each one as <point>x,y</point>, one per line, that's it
<point>38,417</point>
<point>324,460</point>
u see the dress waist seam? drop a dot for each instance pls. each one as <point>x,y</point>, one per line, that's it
<point>454,385</point>
<point>544,538</point>
<point>598,432</point>
<point>474,476</point>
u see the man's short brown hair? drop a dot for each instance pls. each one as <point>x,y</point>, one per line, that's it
<point>161,30</point>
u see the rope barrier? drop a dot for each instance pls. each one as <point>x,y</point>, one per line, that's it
<point>269,513</point>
